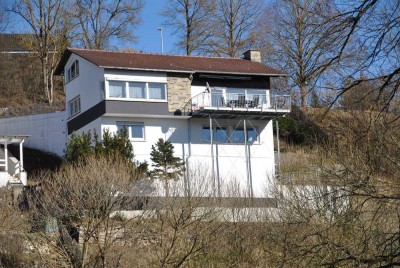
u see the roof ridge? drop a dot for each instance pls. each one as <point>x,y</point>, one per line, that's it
<point>156,54</point>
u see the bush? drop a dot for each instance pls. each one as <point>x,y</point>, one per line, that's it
<point>81,146</point>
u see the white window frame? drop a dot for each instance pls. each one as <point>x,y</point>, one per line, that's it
<point>71,76</point>
<point>129,125</point>
<point>126,88</point>
<point>74,106</point>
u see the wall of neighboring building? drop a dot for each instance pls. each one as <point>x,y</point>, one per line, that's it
<point>47,131</point>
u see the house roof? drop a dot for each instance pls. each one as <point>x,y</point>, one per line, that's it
<point>170,63</point>
<point>15,42</point>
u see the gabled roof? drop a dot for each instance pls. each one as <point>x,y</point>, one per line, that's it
<point>168,63</point>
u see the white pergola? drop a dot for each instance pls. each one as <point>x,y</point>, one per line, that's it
<point>12,139</point>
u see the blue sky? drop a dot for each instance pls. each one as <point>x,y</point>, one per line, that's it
<point>149,39</point>
<point>148,35</point>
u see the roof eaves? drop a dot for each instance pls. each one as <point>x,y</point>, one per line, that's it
<point>191,72</point>
<point>146,69</point>
<point>241,73</point>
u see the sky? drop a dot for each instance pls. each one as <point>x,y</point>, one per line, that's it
<point>148,35</point>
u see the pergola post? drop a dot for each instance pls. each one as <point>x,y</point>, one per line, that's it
<point>21,157</point>
<point>6,157</point>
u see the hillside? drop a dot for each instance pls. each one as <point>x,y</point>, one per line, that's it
<point>20,87</point>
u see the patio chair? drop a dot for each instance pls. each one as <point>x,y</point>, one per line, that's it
<point>223,103</point>
<point>256,101</point>
<point>242,101</point>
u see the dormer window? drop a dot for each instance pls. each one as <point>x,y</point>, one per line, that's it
<point>73,71</point>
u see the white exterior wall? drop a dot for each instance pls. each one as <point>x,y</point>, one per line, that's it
<point>47,131</point>
<point>229,159</point>
<point>94,126</point>
<point>174,130</point>
<point>87,84</point>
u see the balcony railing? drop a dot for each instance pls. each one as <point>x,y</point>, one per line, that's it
<point>238,102</point>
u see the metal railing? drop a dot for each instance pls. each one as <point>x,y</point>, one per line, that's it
<point>237,101</point>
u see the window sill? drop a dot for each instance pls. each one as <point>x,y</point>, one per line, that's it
<point>135,100</point>
<point>73,116</point>
<point>66,83</point>
<point>137,140</point>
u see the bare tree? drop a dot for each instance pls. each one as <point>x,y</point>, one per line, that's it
<point>100,21</point>
<point>191,21</point>
<point>45,20</point>
<point>78,202</point>
<point>180,228</point>
<point>3,17</point>
<point>375,26</point>
<point>234,26</point>
<point>297,40</point>
<point>14,228</point>
<point>342,207</point>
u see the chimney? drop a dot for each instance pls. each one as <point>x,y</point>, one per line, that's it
<point>253,55</point>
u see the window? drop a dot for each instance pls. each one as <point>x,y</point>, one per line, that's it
<point>74,106</point>
<point>117,89</point>
<point>137,90</point>
<point>239,137</point>
<point>220,134</point>
<point>73,70</point>
<point>156,91</point>
<point>135,130</point>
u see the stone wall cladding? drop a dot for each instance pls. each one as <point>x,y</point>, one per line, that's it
<point>178,88</point>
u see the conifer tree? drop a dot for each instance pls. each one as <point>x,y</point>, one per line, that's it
<point>166,165</point>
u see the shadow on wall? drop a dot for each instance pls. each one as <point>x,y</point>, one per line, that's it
<point>36,160</point>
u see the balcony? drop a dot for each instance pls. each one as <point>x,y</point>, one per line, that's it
<point>234,104</point>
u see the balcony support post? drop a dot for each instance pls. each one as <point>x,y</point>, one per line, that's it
<point>278,145</point>
<point>248,167</point>
<point>212,155</point>
<point>187,185</point>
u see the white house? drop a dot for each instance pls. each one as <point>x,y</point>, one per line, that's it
<point>217,112</point>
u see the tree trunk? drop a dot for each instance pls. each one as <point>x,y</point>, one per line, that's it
<point>303,95</point>
<point>166,185</point>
